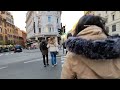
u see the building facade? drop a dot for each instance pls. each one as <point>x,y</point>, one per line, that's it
<point>112,20</point>
<point>30,24</point>
<point>43,24</point>
<point>6,27</point>
<point>19,36</point>
<point>9,33</point>
<point>24,35</point>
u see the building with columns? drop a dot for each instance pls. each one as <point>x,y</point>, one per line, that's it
<point>112,19</point>
<point>43,24</point>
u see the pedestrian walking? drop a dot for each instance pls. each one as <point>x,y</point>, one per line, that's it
<point>92,53</point>
<point>44,50</point>
<point>68,35</point>
<point>64,45</point>
<point>53,47</point>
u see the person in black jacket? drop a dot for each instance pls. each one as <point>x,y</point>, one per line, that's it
<point>44,50</point>
<point>68,35</point>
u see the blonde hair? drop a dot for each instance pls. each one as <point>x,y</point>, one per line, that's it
<point>51,40</point>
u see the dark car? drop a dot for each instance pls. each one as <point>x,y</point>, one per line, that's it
<point>1,49</point>
<point>5,49</point>
<point>18,48</point>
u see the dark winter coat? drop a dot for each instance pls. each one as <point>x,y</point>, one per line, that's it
<point>92,56</point>
<point>44,52</point>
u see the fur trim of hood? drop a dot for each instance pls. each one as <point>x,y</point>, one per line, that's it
<point>106,49</point>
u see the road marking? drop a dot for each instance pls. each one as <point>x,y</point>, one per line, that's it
<point>1,54</point>
<point>3,67</point>
<point>33,61</point>
<point>6,53</point>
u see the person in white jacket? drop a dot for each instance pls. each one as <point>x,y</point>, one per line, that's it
<point>52,45</point>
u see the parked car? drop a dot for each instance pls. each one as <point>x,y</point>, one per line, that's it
<point>6,49</point>
<point>1,49</point>
<point>18,48</point>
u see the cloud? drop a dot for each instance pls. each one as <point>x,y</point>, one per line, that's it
<point>69,18</point>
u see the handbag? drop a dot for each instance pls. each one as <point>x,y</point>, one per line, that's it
<point>57,50</point>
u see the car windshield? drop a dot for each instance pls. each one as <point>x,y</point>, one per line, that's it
<point>17,46</point>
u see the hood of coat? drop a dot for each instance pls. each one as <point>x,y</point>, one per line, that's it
<point>94,44</point>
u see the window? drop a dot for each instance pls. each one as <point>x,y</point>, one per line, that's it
<point>106,20</point>
<point>50,29</point>
<point>5,24</point>
<point>107,29</point>
<point>113,17</point>
<point>49,19</point>
<point>34,27</point>
<point>115,34</point>
<point>2,12</point>
<point>113,28</point>
<point>39,30</point>
<point>57,20</point>
<point>5,31</point>
<point>0,30</point>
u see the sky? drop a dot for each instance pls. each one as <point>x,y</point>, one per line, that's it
<point>68,18</point>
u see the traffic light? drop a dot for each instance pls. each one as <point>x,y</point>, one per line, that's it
<point>63,29</point>
<point>60,31</point>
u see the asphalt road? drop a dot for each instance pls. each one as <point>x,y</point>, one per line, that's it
<point>27,65</point>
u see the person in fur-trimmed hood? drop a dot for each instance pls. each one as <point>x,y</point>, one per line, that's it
<point>93,54</point>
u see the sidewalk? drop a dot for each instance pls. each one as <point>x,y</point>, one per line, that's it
<point>61,53</point>
<point>38,50</point>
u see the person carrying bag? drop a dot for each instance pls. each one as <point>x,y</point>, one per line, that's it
<point>52,45</point>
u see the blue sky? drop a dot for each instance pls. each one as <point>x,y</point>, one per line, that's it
<point>68,18</point>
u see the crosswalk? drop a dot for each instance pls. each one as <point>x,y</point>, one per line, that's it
<point>6,54</point>
<point>62,59</point>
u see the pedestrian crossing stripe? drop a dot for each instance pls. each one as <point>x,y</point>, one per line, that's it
<point>8,53</point>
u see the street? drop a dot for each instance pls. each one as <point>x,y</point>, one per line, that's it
<point>27,65</point>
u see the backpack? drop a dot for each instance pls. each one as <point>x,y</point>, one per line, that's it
<point>44,46</point>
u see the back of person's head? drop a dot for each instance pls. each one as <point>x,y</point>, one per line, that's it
<point>51,40</point>
<point>87,20</point>
<point>43,38</point>
<point>69,35</point>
